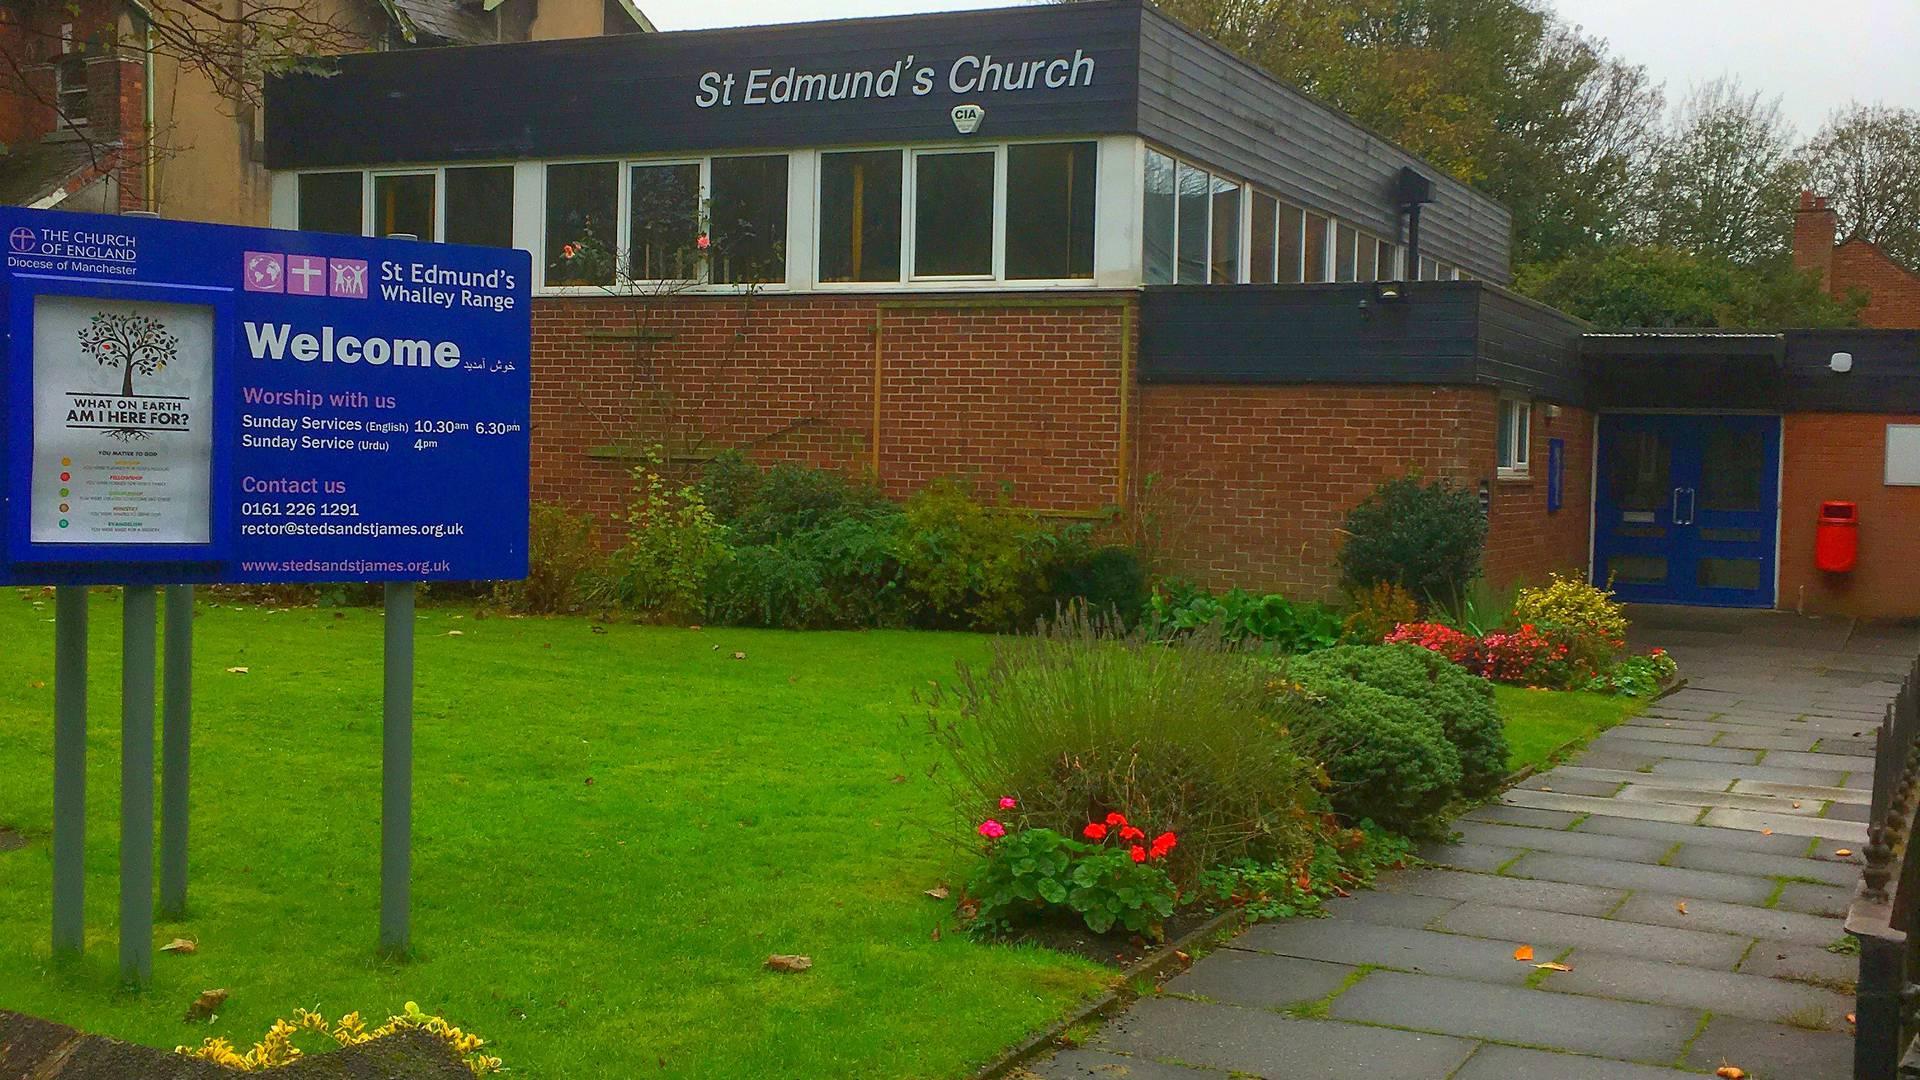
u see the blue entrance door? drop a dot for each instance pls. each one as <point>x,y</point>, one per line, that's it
<point>1687,507</point>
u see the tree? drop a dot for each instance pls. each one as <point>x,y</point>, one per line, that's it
<point>130,343</point>
<point>1867,160</point>
<point>1656,286</point>
<point>1724,182</point>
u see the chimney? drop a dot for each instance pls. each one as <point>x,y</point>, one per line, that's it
<point>1814,226</point>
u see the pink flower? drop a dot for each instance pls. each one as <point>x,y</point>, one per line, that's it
<point>991,829</point>
<point>1008,802</point>
<point>702,242</point>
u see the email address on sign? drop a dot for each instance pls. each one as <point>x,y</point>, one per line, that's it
<point>356,528</point>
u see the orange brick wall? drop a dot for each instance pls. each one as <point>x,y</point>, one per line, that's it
<point>1524,542</point>
<point>1843,456</point>
<point>1893,291</point>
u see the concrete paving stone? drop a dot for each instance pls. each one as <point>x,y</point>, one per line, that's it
<point>1627,978</point>
<point>1514,892</point>
<point>1616,1029</point>
<point>1614,874</point>
<point>1858,744</point>
<point>1711,770</point>
<point>1613,759</point>
<point>1097,1065</point>
<point>1735,839</point>
<point>1484,958</point>
<point>1803,963</point>
<point>1848,811</point>
<point>1496,1062</point>
<point>1567,785</point>
<point>1802,792</point>
<point>1554,800</point>
<point>1559,840</point>
<point>1469,856</point>
<point>1741,920</point>
<point>1828,901</point>
<point>1846,832</point>
<point>1773,1050</point>
<point>1621,743</point>
<point>1411,910</point>
<point>1521,815</point>
<point>1815,760</point>
<point>1728,861</point>
<point>1691,736</point>
<point>1259,979</point>
<point>1749,741</point>
<point>1616,776</point>
<point>1696,947</point>
<point>1766,804</point>
<point>1259,1043</point>
<point>1861,780</point>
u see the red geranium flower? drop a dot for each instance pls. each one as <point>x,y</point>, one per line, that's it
<point>1094,831</point>
<point>1131,834</point>
<point>1139,853</point>
<point>1116,819</point>
<point>1162,844</point>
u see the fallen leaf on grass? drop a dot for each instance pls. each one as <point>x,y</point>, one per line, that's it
<point>456,633</point>
<point>203,1006</point>
<point>791,964</point>
<point>181,945</point>
<point>1551,966</point>
<point>1841,853</point>
<point>236,671</point>
<point>38,684</point>
<point>1523,953</point>
<point>1681,907</point>
<point>739,656</point>
<point>936,933</point>
<point>939,893</point>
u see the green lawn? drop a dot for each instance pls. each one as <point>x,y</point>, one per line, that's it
<point>1543,723</point>
<point>612,832</point>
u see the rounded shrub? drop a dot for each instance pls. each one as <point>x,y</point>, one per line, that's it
<point>1387,760</point>
<point>1425,538</point>
<point>1111,580</point>
<point>1462,702</point>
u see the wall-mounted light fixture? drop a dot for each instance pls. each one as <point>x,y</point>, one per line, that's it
<point>1389,292</point>
<point>1841,363</point>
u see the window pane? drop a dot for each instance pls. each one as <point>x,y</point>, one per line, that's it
<point>1721,573</point>
<point>74,101</point>
<point>480,206</point>
<point>1195,223</point>
<point>1289,243</point>
<point>582,205</point>
<point>860,216</point>
<point>749,228</point>
<point>663,215</point>
<point>1050,210</point>
<point>1637,569</point>
<point>1522,433</point>
<point>1226,232</point>
<point>1731,467</point>
<point>1261,252</point>
<point>1429,269</point>
<point>1343,241</point>
<point>1386,262</point>
<point>1316,249</point>
<point>1369,253</point>
<point>330,202</point>
<point>1640,472</point>
<point>1503,437</point>
<point>1158,218</point>
<point>953,215</point>
<point>403,204</point>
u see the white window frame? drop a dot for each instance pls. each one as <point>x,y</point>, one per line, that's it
<point>910,224</point>
<point>625,229</point>
<point>60,89</point>
<point>1243,258</point>
<point>1518,441</point>
<point>905,210</point>
<point>370,212</point>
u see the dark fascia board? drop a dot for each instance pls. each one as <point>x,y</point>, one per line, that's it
<point>1439,175</point>
<point>1684,343</point>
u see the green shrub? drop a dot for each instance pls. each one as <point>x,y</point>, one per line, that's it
<point>673,545</point>
<point>795,499</point>
<point>1462,703</point>
<point>1286,626</point>
<point>1033,873</point>
<point>1085,719</point>
<point>859,572</point>
<point>1387,760</point>
<point>1425,538</point>
<point>1110,579</point>
<point>968,565</point>
<point>1340,861</point>
<point>728,483</point>
<point>766,585</point>
<point>564,568</point>
<point>1376,611</point>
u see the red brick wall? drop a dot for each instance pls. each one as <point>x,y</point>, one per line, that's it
<point>1893,291</point>
<point>1524,541</point>
<point>1843,456</point>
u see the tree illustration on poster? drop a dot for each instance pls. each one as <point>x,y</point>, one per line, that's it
<point>131,343</point>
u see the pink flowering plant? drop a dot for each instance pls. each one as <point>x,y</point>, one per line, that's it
<point>1110,876</point>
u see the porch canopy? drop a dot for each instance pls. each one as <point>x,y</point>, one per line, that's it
<point>1685,369</point>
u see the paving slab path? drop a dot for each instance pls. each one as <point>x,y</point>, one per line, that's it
<point>1690,868</point>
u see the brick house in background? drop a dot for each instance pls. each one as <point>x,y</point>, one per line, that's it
<point>93,120</point>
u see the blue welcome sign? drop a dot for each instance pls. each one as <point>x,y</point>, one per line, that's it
<point>203,403</point>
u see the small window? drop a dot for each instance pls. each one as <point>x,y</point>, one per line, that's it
<point>1225,262</point>
<point>1369,258</point>
<point>1429,269</point>
<point>480,205</point>
<point>749,227</point>
<point>1157,219</point>
<point>663,222</point>
<point>1263,265</point>
<point>330,203</point>
<point>1195,224</point>
<point>1513,436</point>
<point>70,89</point>
<point>1289,245</point>
<point>1315,249</point>
<point>860,216</point>
<point>1050,189</point>
<point>404,204</point>
<point>583,206</point>
<point>1344,239</point>
<point>1386,262</point>
<point>953,212</point>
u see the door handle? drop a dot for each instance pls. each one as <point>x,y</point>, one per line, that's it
<point>1693,504</point>
<point>1674,515</point>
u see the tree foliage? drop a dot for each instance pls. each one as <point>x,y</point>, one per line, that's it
<point>1657,286</point>
<point>1724,181</point>
<point>1867,160</point>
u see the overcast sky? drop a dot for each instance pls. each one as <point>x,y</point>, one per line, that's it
<point>1815,54</point>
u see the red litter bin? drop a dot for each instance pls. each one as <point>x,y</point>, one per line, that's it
<point>1836,544</point>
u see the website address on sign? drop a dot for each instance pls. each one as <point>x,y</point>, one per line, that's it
<point>357,528</point>
<point>352,567</point>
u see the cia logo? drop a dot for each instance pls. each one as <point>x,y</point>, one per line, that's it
<point>967,118</point>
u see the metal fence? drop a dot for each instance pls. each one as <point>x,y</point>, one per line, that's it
<point>1887,901</point>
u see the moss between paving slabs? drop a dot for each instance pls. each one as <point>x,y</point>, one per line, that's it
<point>612,832</point>
<point>1544,726</point>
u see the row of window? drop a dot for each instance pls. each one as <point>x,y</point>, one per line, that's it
<point>885,215</point>
<point>1193,232</point>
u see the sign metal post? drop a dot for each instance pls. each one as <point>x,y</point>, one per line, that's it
<point>396,773</point>
<point>176,750</point>
<point>69,769</point>
<point>136,785</point>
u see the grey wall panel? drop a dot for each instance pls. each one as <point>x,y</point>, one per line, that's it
<point>1529,346</point>
<point>1197,98</point>
<point>1885,376</point>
